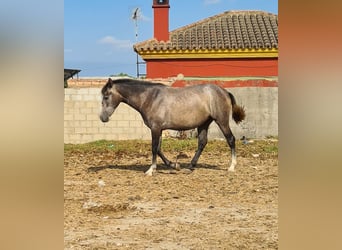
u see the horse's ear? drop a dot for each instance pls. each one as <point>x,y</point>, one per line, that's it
<point>110,82</point>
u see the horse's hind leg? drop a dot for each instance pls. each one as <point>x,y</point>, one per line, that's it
<point>202,142</point>
<point>162,156</point>
<point>231,142</point>
<point>165,160</point>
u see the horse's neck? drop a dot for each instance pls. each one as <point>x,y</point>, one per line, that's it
<point>132,96</point>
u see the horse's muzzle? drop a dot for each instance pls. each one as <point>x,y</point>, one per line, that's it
<point>104,118</point>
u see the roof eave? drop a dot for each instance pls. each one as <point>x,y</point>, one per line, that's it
<point>208,54</point>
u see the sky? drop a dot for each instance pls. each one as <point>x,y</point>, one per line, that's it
<point>99,35</point>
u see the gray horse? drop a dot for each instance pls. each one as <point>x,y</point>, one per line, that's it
<point>163,107</point>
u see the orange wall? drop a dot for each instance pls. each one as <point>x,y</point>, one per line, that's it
<point>161,23</point>
<point>212,67</point>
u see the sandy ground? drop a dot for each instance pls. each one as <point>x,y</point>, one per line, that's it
<point>110,204</point>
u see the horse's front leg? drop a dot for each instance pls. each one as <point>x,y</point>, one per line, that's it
<point>155,148</point>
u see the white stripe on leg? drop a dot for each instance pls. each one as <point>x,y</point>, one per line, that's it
<point>232,164</point>
<point>150,171</point>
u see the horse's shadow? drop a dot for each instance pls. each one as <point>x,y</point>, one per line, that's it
<point>144,168</point>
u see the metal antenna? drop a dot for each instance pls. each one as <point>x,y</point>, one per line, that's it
<point>135,17</point>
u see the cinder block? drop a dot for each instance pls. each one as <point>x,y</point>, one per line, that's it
<point>130,117</point>
<point>75,138</point>
<point>135,124</point>
<point>66,138</point>
<point>80,117</point>
<point>111,137</point>
<point>80,130</point>
<point>87,138</point>
<point>68,104</point>
<point>92,130</point>
<point>95,91</point>
<point>98,98</point>
<point>96,110</point>
<point>68,130</point>
<point>74,111</point>
<point>97,137</point>
<point>76,97</point>
<point>83,91</point>
<point>138,117</point>
<point>86,124</point>
<point>68,117</point>
<point>122,109</point>
<point>105,130</point>
<point>88,97</point>
<point>75,124</point>
<point>70,91</point>
<point>86,111</point>
<point>122,137</point>
<point>93,104</point>
<point>117,117</point>
<point>79,104</point>
<point>98,124</point>
<point>123,124</point>
<point>128,130</point>
<point>117,130</point>
<point>92,117</point>
<point>143,133</point>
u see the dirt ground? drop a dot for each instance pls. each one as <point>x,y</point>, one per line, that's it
<point>110,204</point>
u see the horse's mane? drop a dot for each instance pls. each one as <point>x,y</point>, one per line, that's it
<point>130,82</point>
<point>136,82</point>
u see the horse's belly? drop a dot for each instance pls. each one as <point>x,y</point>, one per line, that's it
<point>187,120</point>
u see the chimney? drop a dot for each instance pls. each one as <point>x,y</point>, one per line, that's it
<point>161,19</point>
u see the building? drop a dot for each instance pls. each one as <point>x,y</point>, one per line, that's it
<point>230,44</point>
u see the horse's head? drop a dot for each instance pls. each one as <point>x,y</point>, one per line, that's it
<point>110,100</point>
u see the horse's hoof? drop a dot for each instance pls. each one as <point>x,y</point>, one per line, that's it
<point>186,171</point>
<point>192,167</point>
<point>174,165</point>
<point>149,173</point>
<point>231,170</point>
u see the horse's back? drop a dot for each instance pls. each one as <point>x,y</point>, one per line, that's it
<point>197,95</point>
<point>215,98</point>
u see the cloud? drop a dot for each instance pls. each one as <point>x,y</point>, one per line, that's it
<point>210,2</point>
<point>116,43</point>
<point>144,18</point>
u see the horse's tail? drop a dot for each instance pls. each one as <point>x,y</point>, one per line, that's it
<point>238,111</point>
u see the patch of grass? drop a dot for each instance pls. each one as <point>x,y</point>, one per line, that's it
<point>104,145</point>
<point>271,149</point>
<point>267,148</point>
<point>176,145</point>
<point>96,145</point>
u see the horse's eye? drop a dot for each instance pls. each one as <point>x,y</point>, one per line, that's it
<point>105,97</point>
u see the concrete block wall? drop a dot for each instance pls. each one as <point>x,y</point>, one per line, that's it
<point>261,106</point>
<point>82,123</point>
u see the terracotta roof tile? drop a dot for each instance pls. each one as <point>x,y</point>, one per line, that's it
<point>228,30</point>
